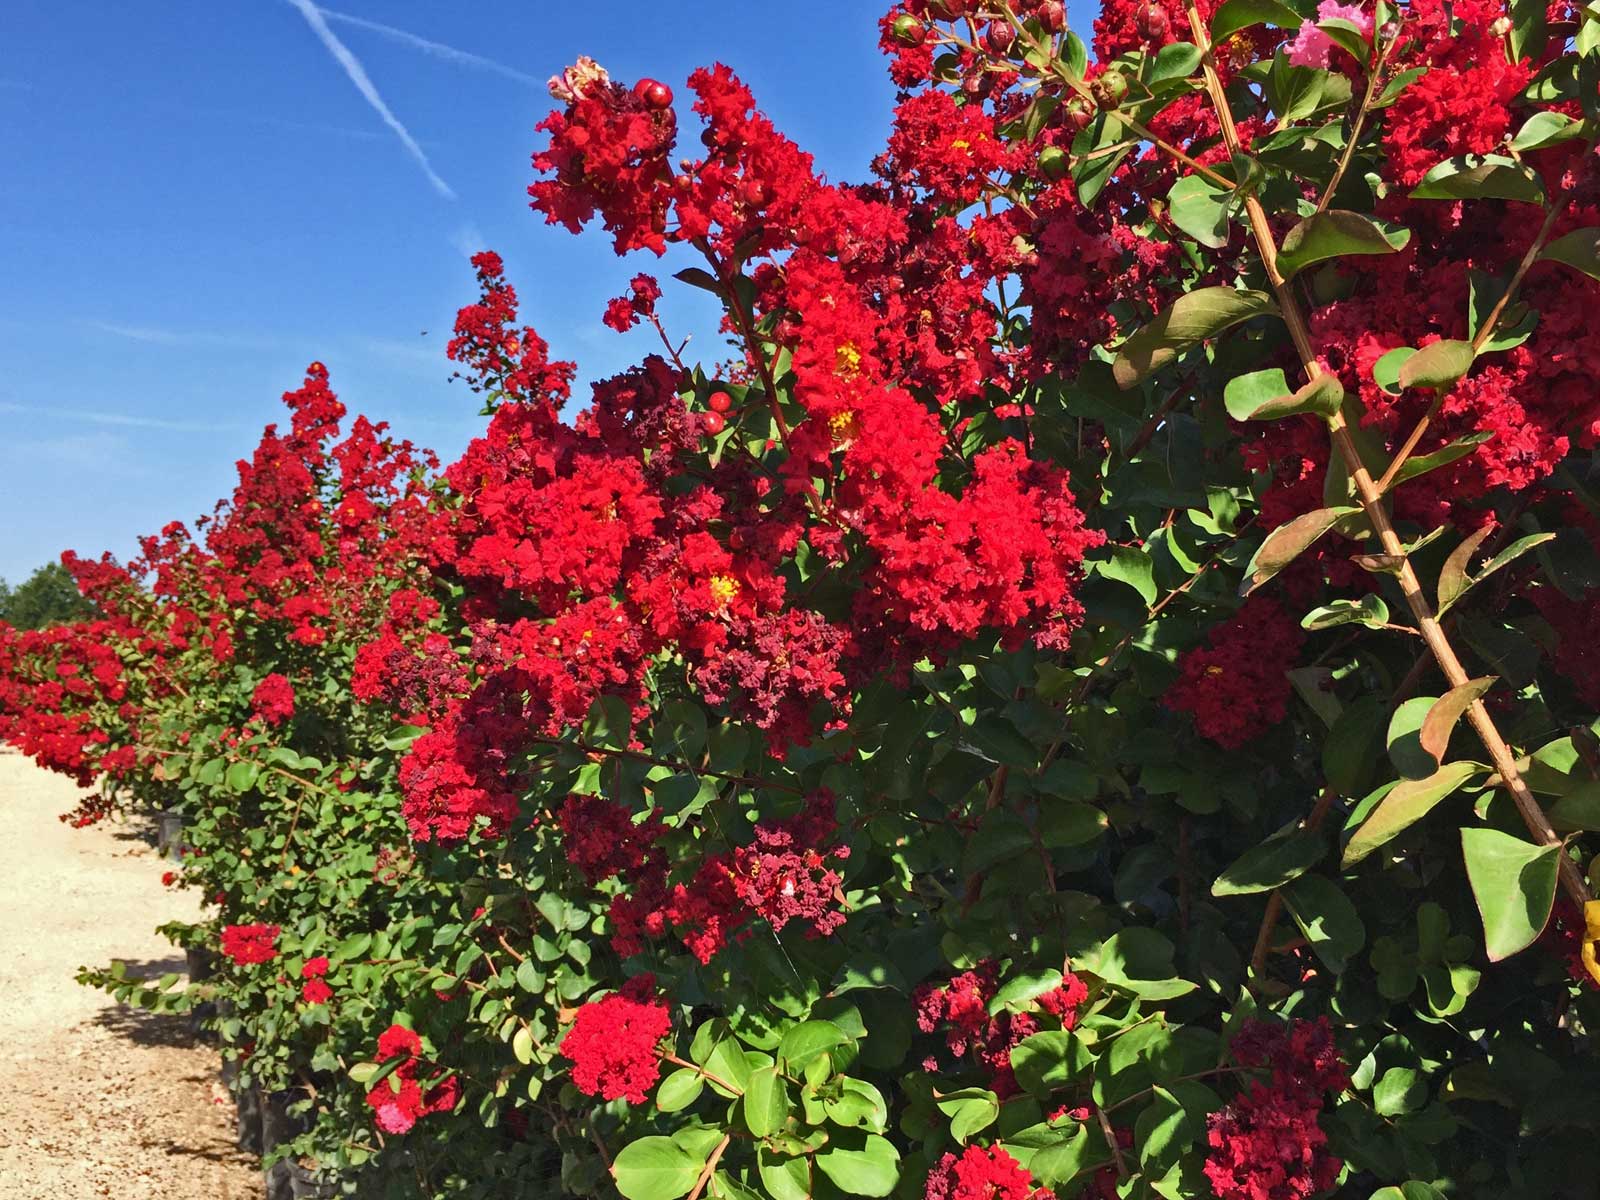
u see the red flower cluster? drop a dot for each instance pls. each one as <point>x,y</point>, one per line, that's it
<point>981,1173</point>
<point>623,313</point>
<point>780,876</point>
<point>1237,686</point>
<point>315,989</point>
<point>273,700</point>
<point>247,944</point>
<point>1266,1144</point>
<point>399,1100</point>
<point>612,1047</point>
<point>962,1005</point>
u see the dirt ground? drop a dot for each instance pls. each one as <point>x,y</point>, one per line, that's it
<point>97,1099</point>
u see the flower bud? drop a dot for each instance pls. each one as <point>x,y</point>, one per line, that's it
<point>909,31</point>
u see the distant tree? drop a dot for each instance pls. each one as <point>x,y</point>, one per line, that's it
<point>48,597</point>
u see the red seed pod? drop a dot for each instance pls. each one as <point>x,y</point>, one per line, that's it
<point>713,423</point>
<point>1053,16</point>
<point>654,93</point>
<point>999,37</point>
<point>719,402</point>
<point>1154,24</point>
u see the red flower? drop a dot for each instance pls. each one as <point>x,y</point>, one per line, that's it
<point>612,1045</point>
<point>1237,686</point>
<point>273,700</point>
<point>401,1099</point>
<point>982,1174</point>
<point>246,944</point>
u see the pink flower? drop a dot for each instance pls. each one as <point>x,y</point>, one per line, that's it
<point>1311,46</point>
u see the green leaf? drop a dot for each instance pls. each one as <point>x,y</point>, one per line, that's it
<point>1459,587</point>
<point>1200,209</point>
<point>1174,61</point>
<point>679,1090</point>
<point>1407,803</point>
<point>1272,864</point>
<point>1370,610</point>
<point>1447,710</point>
<point>1265,396</point>
<point>1235,15</point>
<point>1191,320</point>
<point>864,1167</point>
<point>859,1105</point>
<point>655,1168</point>
<point>1349,37</point>
<point>1453,578</point>
<point>1421,464</point>
<point>1060,1165</point>
<point>1480,177</point>
<point>1294,92</point>
<point>1327,918</point>
<point>1579,250</point>
<point>1578,809</point>
<point>784,1178</point>
<point>1138,960</point>
<point>1351,746</point>
<point>1286,543</point>
<point>1044,1062</point>
<point>1091,170</point>
<point>700,278</point>
<point>973,1116</point>
<point>1546,129</point>
<point>1386,371</point>
<point>1412,1189</point>
<point>766,1102</point>
<point>1438,365</point>
<point>1514,883</point>
<point>809,1040</point>
<point>1132,566</point>
<point>1019,989</point>
<point>1335,234</point>
<point>242,776</point>
<point>1066,823</point>
<point>1400,1090</point>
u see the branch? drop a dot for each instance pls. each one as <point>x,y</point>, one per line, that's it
<point>1500,754</point>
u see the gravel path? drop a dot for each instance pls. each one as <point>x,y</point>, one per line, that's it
<point>96,1099</point>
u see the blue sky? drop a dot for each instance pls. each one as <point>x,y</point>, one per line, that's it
<point>197,200</point>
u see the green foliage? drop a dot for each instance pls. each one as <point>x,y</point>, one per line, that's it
<point>47,597</point>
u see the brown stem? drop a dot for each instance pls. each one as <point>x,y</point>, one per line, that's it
<point>1489,325</point>
<point>675,764</point>
<point>1269,921</point>
<point>1111,1140</point>
<point>1500,754</point>
<point>697,1068</point>
<point>745,323</point>
<point>710,1167</point>
<point>1374,77</point>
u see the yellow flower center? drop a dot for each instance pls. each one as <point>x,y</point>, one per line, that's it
<point>848,359</point>
<point>723,589</point>
<point>844,427</point>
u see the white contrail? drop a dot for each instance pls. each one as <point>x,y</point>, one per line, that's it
<point>358,76</point>
<point>437,49</point>
<point>96,417</point>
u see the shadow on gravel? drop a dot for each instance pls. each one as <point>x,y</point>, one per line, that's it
<point>145,1028</point>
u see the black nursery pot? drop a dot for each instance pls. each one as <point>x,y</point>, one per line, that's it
<point>307,1185</point>
<point>278,1127</point>
<point>249,1123</point>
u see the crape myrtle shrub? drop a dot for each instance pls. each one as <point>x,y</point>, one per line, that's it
<point>1096,698</point>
